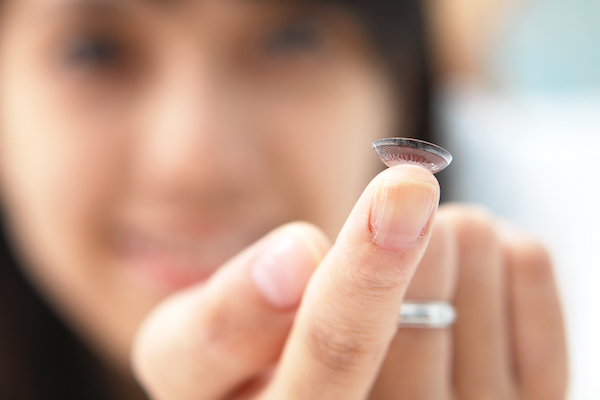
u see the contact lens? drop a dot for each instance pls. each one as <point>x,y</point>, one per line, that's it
<point>396,151</point>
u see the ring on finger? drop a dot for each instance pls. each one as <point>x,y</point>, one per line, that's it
<point>427,314</point>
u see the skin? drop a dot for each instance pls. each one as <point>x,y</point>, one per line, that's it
<point>168,151</point>
<point>462,32</point>
<point>146,145</point>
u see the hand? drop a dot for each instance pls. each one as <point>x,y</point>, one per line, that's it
<point>242,334</point>
<point>508,340</point>
<point>226,338</point>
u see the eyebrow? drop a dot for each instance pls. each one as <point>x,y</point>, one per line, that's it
<point>115,2</point>
<point>110,8</point>
<point>103,3</point>
<point>111,5</point>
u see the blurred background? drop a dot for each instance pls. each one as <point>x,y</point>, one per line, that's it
<point>519,108</point>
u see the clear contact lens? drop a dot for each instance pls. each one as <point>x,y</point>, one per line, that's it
<point>395,151</point>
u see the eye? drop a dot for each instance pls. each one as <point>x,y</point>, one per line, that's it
<point>94,51</point>
<point>301,36</point>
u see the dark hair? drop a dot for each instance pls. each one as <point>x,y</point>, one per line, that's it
<point>399,32</point>
<point>40,358</point>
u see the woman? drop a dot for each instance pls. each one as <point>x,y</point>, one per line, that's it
<point>146,145</point>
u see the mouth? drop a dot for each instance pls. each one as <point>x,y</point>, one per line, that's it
<point>168,262</point>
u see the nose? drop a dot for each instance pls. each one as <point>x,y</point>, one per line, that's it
<point>191,137</point>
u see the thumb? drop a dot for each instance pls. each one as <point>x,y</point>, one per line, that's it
<point>204,342</point>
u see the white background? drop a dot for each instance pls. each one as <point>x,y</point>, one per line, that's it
<point>535,159</point>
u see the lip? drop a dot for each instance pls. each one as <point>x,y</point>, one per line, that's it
<point>161,268</point>
<point>166,260</point>
<point>172,263</point>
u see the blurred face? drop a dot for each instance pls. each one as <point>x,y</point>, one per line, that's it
<point>143,143</point>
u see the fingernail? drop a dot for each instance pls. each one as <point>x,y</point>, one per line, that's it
<point>282,271</point>
<point>400,213</point>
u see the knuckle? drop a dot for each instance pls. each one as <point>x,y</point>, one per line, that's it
<point>214,326</point>
<point>370,285</point>
<point>376,281</point>
<point>550,392</point>
<point>229,336</point>
<point>474,227</point>
<point>531,260</point>
<point>488,395</point>
<point>372,278</point>
<point>336,350</point>
<point>490,391</point>
<point>218,330</point>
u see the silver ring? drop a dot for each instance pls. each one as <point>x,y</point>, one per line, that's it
<point>426,314</point>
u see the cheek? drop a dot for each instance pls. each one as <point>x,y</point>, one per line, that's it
<point>60,182</point>
<point>57,193</point>
<point>321,141</point>
<point>57,176</point>
<point>63,174</point>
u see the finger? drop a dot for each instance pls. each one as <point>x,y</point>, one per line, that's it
<point>538,333</point>
<point>482,363</point>
<point>436,276</point>
<point>349,313</point>
<point>206,341</point>
<point>418,363</point>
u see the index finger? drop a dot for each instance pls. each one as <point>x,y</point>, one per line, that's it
<point>349,313</point>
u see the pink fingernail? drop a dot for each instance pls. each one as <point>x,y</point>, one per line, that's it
<point>400,213</point>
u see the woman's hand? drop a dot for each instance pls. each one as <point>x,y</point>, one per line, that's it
<point>508,340</point>
<point>243,333</point>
